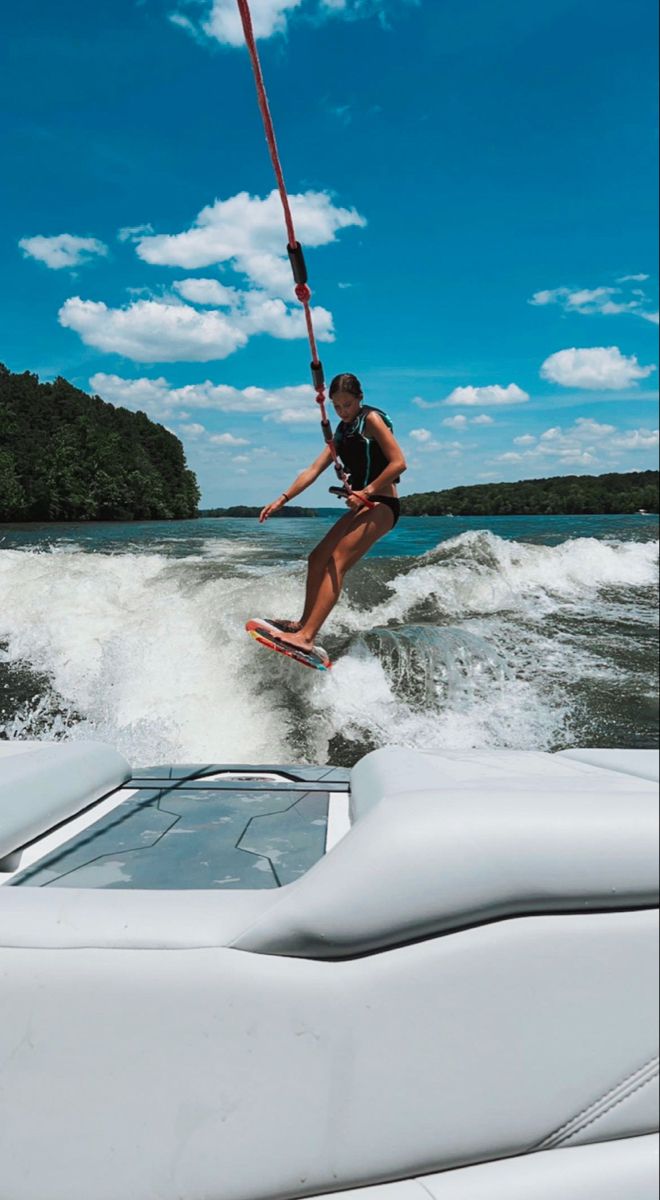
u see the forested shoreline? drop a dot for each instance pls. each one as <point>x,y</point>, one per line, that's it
<point>249,510</point>
<point>67,456</point>
<point>576,495</point>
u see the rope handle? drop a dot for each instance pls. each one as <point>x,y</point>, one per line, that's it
<point>346,492</point>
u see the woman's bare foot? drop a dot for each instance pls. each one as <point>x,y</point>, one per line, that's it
<point>285,626</point>
<point>297,641</point>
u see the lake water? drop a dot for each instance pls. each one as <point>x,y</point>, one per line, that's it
<point>526,632</point>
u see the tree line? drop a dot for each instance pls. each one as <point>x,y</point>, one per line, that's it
<point>562,494</point>
<point>248,510</point>
<point>67,456</point>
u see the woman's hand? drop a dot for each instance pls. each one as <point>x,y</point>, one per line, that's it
<point>272,508</point>
<point>357,500</point>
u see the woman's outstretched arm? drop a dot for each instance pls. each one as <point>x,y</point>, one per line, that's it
<point>302,481</point>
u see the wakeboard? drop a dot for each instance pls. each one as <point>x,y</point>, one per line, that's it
<point>268,635</point>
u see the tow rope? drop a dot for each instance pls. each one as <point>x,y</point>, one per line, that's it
<point>294,249</point>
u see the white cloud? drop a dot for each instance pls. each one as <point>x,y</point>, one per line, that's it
<point>593,368</point>
<point>460,421</point>
<point>131,233</point>
<point>428,445</point>
<point>304,414</point>
<point>653,317</point>
<point>266,314</point>
<point>547,297</point>
<point>221,20</point>
<point>599,300</point>
<point>158,331</point>
<point>244,232</point>
<point>147,331</point>
<point>603,301</point>
<point>227,439</point>
<point>247,231</point>
<point>62,250</point>
<point>637,439</point>
<point>587,428</point>
<point>487,396</point>
<point>193,430</point>
<point>287,405</point>
<point>582,444</point>
<point>207,291</point>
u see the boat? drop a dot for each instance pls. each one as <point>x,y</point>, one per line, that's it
<point>431,975</point>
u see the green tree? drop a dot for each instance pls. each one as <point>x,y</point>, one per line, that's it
<point>65,456</point>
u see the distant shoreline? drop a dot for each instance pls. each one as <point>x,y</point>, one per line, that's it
<point>614,494</point>
<point>621,493</point>
<point>321,512</point>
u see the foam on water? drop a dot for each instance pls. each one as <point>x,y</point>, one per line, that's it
<point>481,573</point>
<point>147,650</point>
<point>143,649</point>
<point>429,688</point>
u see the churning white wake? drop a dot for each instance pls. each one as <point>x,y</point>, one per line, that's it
<point>148,652</point>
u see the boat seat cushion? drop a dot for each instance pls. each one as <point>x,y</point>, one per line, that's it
<point>446,841</point>
<point>49,784</point>
<point>644,763</point>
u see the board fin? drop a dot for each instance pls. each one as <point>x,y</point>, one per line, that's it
<point>270,636</point>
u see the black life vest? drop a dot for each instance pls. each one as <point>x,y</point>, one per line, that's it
<point>361,455</point>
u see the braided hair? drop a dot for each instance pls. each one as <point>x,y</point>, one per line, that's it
<point>347,383</point>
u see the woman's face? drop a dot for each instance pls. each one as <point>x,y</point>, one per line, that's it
<point>346,406</point>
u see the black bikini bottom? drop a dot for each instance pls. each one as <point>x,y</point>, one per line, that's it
<point>392,503</point>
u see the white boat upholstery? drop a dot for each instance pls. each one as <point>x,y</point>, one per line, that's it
<point>47,784</point>
<point>645,763</point>
<point>469,976</point>
<point>393,770</point>
<point>8,749</point>
<point>622,1170</point>
<point>499,834</point>
<point>254,1077</point>
<point>444,841</point>
<point>75,918</point>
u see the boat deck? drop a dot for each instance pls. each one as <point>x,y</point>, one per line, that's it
<point>208,826</point>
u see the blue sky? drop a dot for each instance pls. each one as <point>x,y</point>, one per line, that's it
<point>474,184</point>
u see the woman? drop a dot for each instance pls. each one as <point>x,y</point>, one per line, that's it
<point>374,460</point>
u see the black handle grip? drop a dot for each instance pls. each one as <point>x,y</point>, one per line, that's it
<point>297,260</point>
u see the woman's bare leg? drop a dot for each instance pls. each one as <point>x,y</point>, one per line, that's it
<point>353,536</point>
<point>317,563</point>
<point>319,559</point>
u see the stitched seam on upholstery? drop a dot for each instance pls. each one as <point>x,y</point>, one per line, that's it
<point>652,1062</point>
<point>600,1115</point>
<point>595,1112</point>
